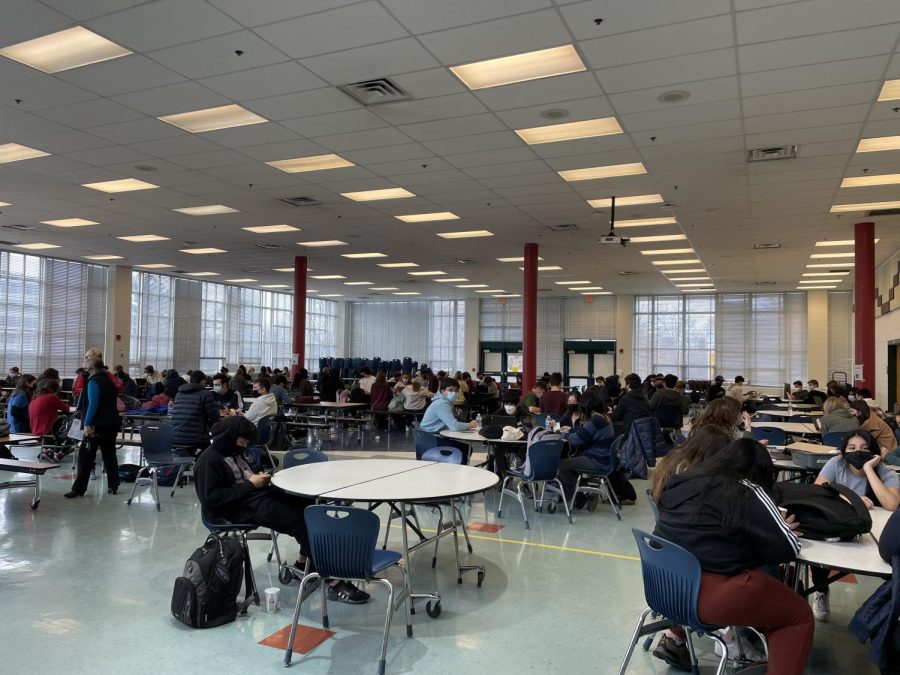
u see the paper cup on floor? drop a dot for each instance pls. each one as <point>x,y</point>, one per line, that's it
<point>272,599</point>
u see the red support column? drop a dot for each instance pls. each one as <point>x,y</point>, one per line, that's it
<point>299,334</point>
<point>864,313</point>
<point>529,318</point>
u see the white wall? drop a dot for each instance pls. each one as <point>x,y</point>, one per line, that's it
<point>887,328</point>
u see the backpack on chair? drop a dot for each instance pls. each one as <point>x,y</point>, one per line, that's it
<point>825,511</point>
<point>205,595</point>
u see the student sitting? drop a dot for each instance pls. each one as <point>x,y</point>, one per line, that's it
<point>415,397</point>
<point>633,404</point>
<point>194,412</point>
<point>720,510</point>
<point>871,422</point>
<point>44,409</point>
<point>228,489</point>
<point>859,467</point>
<point>19,402</point>
<point>838,417</point>
<point>264,405</point>
<point>380,397</point>
<point>573,417</point>
<point>279,390</point>
<point>224,395</point>
<point>554,401</point>
<point>530,404</point>
<point>669,405</point>
<point>439,415</point>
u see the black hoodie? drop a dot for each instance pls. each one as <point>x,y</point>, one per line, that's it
<point>195,411</point>
<point>692,514</point>
<point>220,493</point>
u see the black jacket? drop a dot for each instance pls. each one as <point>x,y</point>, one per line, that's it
<point>195,412</point>
<point>715,391</point>
<point>668,406</point>
<point>632,406</point>
<point>692,514</point>
<point>220,493</point>
<point>107,417</point>
<point>171,383</point>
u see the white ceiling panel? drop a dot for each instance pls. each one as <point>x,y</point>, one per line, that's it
<point>693,132</point>
<point>26,126</point>
<point>13,71</point>
<point>599,145</point>
<point>261,82</point>
<point>388,154</point>
<point>535,166</point>
<point>91,113</point>
<point>677,116</point>
<point>369,63</point>
<point>491,141</point>
<point>411,166</point>
<point>27,19</point>
<point>707,91</point>
<point>274,151</point>
<point>455,105</point>
<point>315,102</point>
<point>154,25</point>
<point>334,30</point>
<point>182,144</point>
<point>71,141</point>
<point>217,55</point>
<point>426,17</point>
<point>636,15</point>
<point>253,134</point>
<point>88,9</point>
<point>110,155</point>
<point>363,139</point>
<point>801,136</point>
<point>45,92</point>
<point>120,76</point>
<point>261,12</point>
<point>335,123</point>
<point>703,66</point>
<point>457,126</point>
<point>429,83</point>
<point>419,182</point>
<point>137,131</point>
<point>578,110</point>
<point>811,77</point>
<point>813,16</point>
<point>543,91</point>
<point>863,92</point>
<point>486,157</point>
<point>171,99</point>
<point>524,33</point>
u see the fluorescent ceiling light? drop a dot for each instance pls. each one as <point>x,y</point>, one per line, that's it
<point>398,265</point>
<point>879,144</point>
<point>271,229</point>
<point>2,204</point>
<point>13,152</point>
<point>432,273</point>
<point>508,295</point>
<point>315,163</point>
<point>644,222</point>
<point>70,222</point>
<point>865,181</point>
<point>820,281</point>
<point>656,238</point>
<point>612,171</point>
<point>815,288</point>
<point>465,234</point>
<point>358,283</point>
<point>634,200</point>
<point>331,295</point>
<point>155,266</point>
<point>202,251</point>
<point>605,126</point>
<point>374,195</point>
<point>363,255</point>
<point>384,288</point>
<point>310,290</point>
<point>282,269</point>
<point>569,283</point>
<point>201,274</point>
<point>686,261</point>
<point>688,278</point>
<point>550,62</point>
<point>274,286</point>
<point>835,264</point>
<point>140,238</point>
<point>867,206</point>
<point>585,288</point>
<point>889,92</point>
<point>690,271</point>
<point>472,286</point>
<point>323,243</point>
<point>103,257</point>
<point>832,255</point>
<point>66,49</point>
<point>123,185</point>
<point>407,293</point>
<point>240,281</point>
<point>211,119</point>
<point>705,285</point>
<point>451,279</point>
<point>519,259</point>
<point>598,293</point>
<point>545,268</point>
<point>698,290</point>
<point>37,246</point>
<point>840,242</point>
<point>825,274</point>
<point>492,290</point>
<point>328,276</point>
<point>427,217</point>
<point>666,251</point>
<point>211,210</point>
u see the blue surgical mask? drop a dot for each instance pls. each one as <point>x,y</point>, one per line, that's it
<point>851,398</point>
<point>451,396</point>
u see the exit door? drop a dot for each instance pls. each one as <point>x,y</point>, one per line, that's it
<point>584,360</point>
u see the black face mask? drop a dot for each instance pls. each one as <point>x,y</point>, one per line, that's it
<point>572,408</point>
<point>858,458</point>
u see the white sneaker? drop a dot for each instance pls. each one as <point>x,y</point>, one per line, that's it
<point>821,607</point>
<point>751,653</point>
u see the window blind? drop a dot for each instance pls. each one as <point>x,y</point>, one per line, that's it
<point>840,333</point>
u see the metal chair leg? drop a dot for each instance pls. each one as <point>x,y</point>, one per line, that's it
<point>634,638</point>
<point>557,482</point>
<point>156,489</point>
<point>522,504</point>
<point>289,652</point>
<point>613,499</point>
<point>407,600</point>
<point>388,614</point>
<point>387,529</point>
<point>322,589</point>
<point>695,667</point>
<point>462,522</point>
<point>177,480</point>
<point>502,492</point>
<point>137,481</point>
<point>724,660</point>
<point>437,539</point>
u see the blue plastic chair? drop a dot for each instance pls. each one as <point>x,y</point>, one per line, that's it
<point>598,479</point>
<point>774,435</point>
<point>802,419</point>
<point>343,543</point>
<point>541,464</point>
<point>835,438</point>
<point>672,578</point>
<point>425,441</point>
<point>443,455</point>
<point>156,444</point>
<point>302,456</point>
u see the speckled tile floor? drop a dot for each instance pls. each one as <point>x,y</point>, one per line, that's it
<point>86,587</point>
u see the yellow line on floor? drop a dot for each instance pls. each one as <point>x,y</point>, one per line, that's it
<point>567,549</point>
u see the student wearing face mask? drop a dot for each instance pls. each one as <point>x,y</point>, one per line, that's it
<point>858,467</point>
<point>224,395</point>
<point>573,416</point>
<point>17,408</point>
<point>439,415</point>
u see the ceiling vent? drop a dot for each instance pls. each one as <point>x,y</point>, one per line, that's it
<point>8,243</point>
<point>567,227</point>
<point>759,247</point>
<point>627,273</point>
<point>766,283</point>
<point>270,247</point>
<point>884,212</point>
<point>300,201</point>
<point>768,154</point>
<point>178,272</point>
<point>376,92</point>
<point>464,261</point>
<point>20,227</point>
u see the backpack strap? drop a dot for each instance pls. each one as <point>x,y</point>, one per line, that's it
<point>854,499</point>
<point>250,592</point>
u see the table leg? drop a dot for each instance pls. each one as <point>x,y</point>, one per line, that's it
<point>433,611</point>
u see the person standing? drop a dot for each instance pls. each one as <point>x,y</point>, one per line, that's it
<point>554,401</point>
<point>100,421</point>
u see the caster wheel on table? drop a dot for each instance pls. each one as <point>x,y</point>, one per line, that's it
<point>285,576</point>
<point>551,507</point>
<point>471,550</point>
<point>480,579</point>
<point>158,507</point>
<point>35,504</point>
<point>433,611</point>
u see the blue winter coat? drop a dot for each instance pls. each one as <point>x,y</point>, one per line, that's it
<point>644,444</point>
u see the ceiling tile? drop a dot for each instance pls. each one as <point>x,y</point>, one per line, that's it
<point>216,55</point>
<point>703,66</point>
<point>681,116</point>
<point>429,83</point>
<point>807,118</point>
<point>261,12</point>
<point>171,99</point>
<point>182,144</point>
<point>424,17</point>
<point>544,91</point>
<point>405,112</point>
<point>635,15</point>
<point>89,9</point>
<point>695,132</point>
<point>363,139</point>
<point>490,141</point>
<point>273,80</point>
<point>27,19</point>
<point>811,77</point>
<point>707,91</point>
<point>335,123</point>
<point>811,99</point>
<point>91,113</point>
<point>251,134</point>
<point>45,92</point>
<point>27,126</point>
<point>388,154</point>
<point>137,130</point>
<point>801,136</point>
<point>71,141</point>
<point>270,152</point>
<point>812,17</point>
<point>369,63</point>
<point>206,160</point>
<point>120,76</point>
<point>315,102</point>
<point>113,154</point>
<point>466,160</point>
<point>578,110</point>
<point>457,126</point>
<point>343,28</point>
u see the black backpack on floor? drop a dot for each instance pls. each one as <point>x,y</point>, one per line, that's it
<point>825,511</point>
<point>205,596</point>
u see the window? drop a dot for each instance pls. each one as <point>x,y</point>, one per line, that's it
<point>152,321</point>
<point>675,334</point>
<point>321,341</point>
<point>447,341</point>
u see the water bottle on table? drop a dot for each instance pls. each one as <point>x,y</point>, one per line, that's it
<point>478,422</point>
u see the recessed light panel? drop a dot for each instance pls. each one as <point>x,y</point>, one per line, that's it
<point>545,268</point>
<point>211,210</point>
<point>363,255</point>
<point>282,269</point>
<point>867,206</point>
<point>13,152</point>
<point>571,283</point>
<point>825,274</point>
<point>384,288</point>
<point>428,217</point>
<point>239,281</point>
<point>612,171</point>
<point>407,293</point>
<point>202,251</point>
<point>704,285</point>
<point>472,286</point>
<point>634,200</point>
<point>519,259</point>
<point>432,273</point>
<point>375,195</point>
<point>696,270</point>
<point>465,234</point>
<point>274,286</point>
<point>331,295</point>
<point>103,257</point>
<point>155,266</point>
<point>832,255</point>
<point>69,222</point>
<point>271,229</point>
<point>821,281</point>
<point>323,243</point>
<point>398,265</point>
<point>644,222</point>
<point>66,49</point>
<point>605,126</point>
<point>2,204</point>
<point>520,67</point>
<point>879,144</point>
<point>688,278</point>
<point>140,238</point>
<point>201,274</point>
<point>835,264</point>
<point>686,261</point>
<point>211,119</point>
<point>815,288</point>
<point>508,295</point>
<point>37,246</point>
<point>492,290</point>
<point>667,251</point>
<point>123,185</point>
<point>451,280</point>
<point>358,283</point>
<point>315,163</point>
<point>598,293</point>
<point>866,181</point>
<point>656,238</point>
<point>890,91</point>
<point>585,288</point>
<point>328,276</point>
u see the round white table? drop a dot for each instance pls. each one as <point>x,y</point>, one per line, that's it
<point>859,557</point>
<point>395,482</point>
<point>473,436</point>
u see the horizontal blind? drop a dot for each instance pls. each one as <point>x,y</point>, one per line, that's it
<point>840,333</point>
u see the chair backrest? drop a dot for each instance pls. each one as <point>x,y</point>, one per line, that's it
<point>156,440</point>
<point>803,419</point>
<point>263,429</point>
<point>542,461</point>
<point>835,438</point>
<point>540,420</point>
<point>653,505</point>
<point>342,540</point>
<point>897,435</point>
<point>303,456</point>
<point>499,420</point>
<point>443,454</point>
<point>774,435</point>
<point>671,579</point>
<point>425,441</point>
